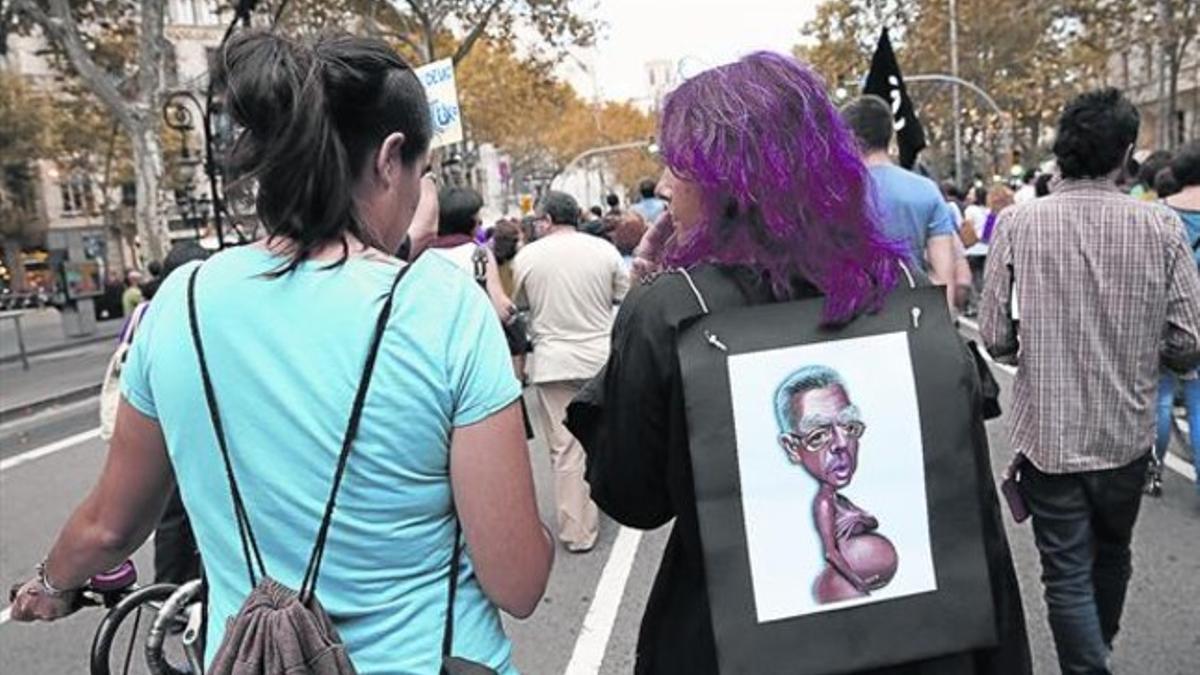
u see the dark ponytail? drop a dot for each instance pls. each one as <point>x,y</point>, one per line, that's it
<point>313,113</point>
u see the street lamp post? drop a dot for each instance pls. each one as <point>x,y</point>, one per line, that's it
<point>951,79</point>
<point>178,116</point>
<point>959,82</point>
<point>957,102</point>
<point>602,150</point>
<point>193,210</point>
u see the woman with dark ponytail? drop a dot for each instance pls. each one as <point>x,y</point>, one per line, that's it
<point>337,372</point>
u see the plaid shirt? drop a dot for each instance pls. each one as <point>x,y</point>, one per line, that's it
<point>1106,291</point>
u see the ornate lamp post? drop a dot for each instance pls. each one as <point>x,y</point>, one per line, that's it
<point>178,115</point>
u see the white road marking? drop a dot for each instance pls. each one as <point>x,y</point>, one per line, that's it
<point>54,411</point>
<point>5,616</point>
<point>1180,467</point>
<point>46,450</point>
<point>602,613</point>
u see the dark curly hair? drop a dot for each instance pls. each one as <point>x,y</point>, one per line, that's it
<point>1185,168</point>
<point>1095,132</point>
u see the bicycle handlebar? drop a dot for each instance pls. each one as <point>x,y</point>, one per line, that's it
<point>103,590</point>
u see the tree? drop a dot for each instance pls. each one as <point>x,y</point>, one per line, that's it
<point>23,139</point>
<point>842,36</point>
<point>131,99</point>
<point>1161,33</point>
<point>623,123</point>
<point>1029,56</point>
<point>426,30</point>
<point>511,101</point>
<point>555,22</point>
<point>1178,21</point>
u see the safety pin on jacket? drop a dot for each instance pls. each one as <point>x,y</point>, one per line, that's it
<point>715,341</point>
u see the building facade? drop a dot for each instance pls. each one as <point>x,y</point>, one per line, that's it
<point>1142,72</point>
<point>70,203</point>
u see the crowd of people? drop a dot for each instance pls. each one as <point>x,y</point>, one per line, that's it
<point>372,351</point>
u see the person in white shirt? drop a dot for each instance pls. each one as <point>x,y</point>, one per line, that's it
<point>1027,192</point>
<point>458,221</point>
<point>570,282</point>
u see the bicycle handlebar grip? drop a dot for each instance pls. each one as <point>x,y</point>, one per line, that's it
<point>119,578</point>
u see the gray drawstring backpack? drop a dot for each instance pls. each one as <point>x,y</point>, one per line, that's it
<point>280,631</point>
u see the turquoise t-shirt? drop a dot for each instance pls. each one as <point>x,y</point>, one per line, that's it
<point>1191,223</point>
<point>285,356</point>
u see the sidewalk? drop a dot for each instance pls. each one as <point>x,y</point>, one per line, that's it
<point>43,333</point>
<point>61,376</point>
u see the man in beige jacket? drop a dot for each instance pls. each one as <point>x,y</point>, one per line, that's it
<point>570,281</point>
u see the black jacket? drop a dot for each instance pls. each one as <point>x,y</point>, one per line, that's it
<point>632,423</point>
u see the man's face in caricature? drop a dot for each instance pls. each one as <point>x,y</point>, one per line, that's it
<point>824,436</point>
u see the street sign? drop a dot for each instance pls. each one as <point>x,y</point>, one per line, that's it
<point>438,79</point>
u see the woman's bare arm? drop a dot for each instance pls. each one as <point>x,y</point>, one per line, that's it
<point>495,290</point>
<point>424,226</point>
<point>493,491</point>
<point>114,519</point>
<point>122,509</point>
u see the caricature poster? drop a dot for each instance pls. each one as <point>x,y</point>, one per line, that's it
<point>836,473</point>
<point>833,475</point>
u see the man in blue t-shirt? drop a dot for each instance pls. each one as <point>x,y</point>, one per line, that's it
<point>650,207</point>
<point>912,206</point>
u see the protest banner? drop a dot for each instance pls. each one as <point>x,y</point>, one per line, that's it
<point>444,111</point>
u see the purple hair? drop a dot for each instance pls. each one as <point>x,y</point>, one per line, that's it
<point>786,191</point>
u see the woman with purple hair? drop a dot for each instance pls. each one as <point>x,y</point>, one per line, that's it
<point>769,202</point>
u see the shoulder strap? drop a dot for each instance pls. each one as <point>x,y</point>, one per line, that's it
<point>455,567</point>
<point>246,533</point>
<point>912,282</point>
<point>480,260</point>
<point>135,320</point>
<point>309,585</point>
<point>687,276</point>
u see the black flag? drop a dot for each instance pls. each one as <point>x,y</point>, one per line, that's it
<point>885,81</point>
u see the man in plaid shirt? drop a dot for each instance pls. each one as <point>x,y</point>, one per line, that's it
<point>1108,293</point>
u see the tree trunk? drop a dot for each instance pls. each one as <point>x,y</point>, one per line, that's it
<point>147,160</point>
<point>1165,46</point>
<point>15,263</point>
<point>1173,130</point>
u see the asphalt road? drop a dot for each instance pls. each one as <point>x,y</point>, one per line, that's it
<point>587,622</point>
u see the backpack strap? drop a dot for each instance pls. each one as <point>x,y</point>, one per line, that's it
<point>687,276</point>
<point>480,260</point>
<point>912,282</point>
<point>455,567</point>
<point>309,586</point>
<point>132,323</point>
<point>245,533</point>
<point>250,548</point>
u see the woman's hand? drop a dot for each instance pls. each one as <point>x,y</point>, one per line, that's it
<point>32,602</point>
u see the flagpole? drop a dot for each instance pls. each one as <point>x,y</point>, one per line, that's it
<point>957,105</point>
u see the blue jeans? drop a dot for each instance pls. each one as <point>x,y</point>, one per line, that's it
<point>1083,525</point>
<point>1191,398</point>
